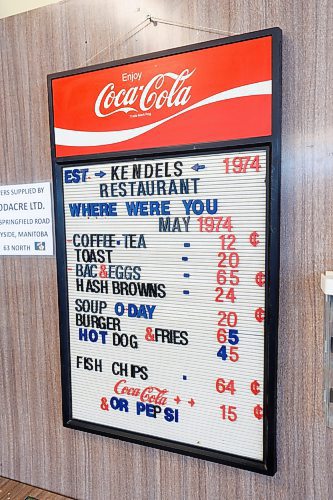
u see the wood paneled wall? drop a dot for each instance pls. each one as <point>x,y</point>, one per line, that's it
<point>34,447</point>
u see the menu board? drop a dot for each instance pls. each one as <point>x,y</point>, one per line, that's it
<point>168,274</point>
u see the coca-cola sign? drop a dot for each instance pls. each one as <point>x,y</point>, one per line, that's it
<point>149,394</point>
<point>218,93</point>
<point>153,95</point>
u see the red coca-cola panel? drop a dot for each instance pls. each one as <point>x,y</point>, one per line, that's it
<point>212,94</point>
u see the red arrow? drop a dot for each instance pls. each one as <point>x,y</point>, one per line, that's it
<point>191,402</point>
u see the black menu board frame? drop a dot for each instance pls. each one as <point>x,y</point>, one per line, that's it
<point>269,143</point>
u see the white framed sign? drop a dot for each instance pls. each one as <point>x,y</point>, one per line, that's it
<point>26,220</point>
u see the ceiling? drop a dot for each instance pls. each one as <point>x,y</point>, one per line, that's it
<point>10,8</point>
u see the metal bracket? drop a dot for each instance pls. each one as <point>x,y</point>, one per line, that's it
<point>327,288</point>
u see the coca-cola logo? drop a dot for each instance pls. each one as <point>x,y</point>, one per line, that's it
<point>143,98</point>
<point>150,394</point>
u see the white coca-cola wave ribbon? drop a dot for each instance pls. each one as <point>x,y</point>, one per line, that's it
<point>64,137</point>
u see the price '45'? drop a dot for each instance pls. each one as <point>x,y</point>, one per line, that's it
<point>224,353</point>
